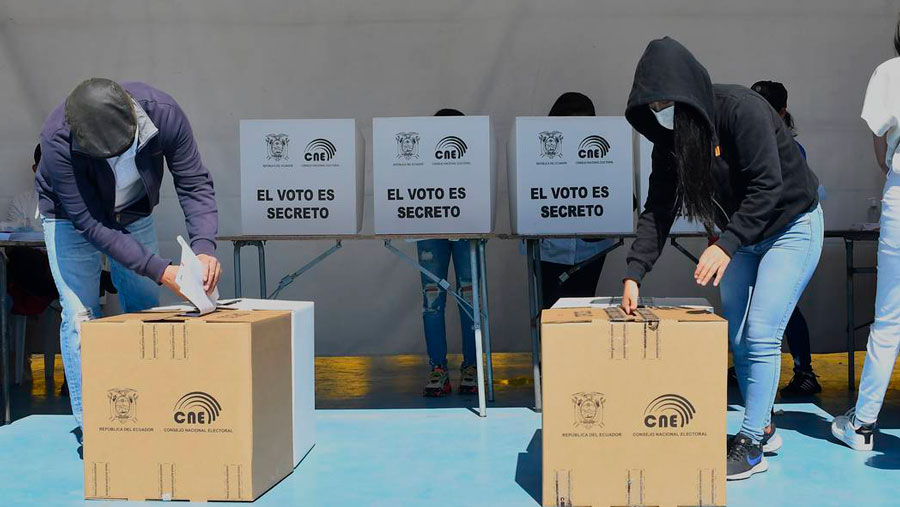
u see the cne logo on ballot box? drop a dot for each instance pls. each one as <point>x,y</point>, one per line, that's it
<point>571,175</point>
<point>301,177</point>
<point>433,175</point>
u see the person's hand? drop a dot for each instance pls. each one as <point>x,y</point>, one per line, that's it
<point>630,295</point>
<point>211,273</point>
<point>712,263</point>
<point>168,279</point>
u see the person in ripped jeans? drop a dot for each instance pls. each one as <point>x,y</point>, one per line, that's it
<point>435,255</point>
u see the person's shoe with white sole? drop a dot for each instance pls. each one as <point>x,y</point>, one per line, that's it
<point>771,441</point>
<point>744,458</point>
<point>857,436</point>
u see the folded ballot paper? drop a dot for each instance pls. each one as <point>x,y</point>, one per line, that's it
<point>190,281</point>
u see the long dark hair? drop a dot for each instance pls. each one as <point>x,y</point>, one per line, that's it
<point>692,148</point>
<point>897,38</point>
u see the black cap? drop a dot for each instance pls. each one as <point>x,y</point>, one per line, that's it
<point>573,104</point>
<point>773,91</point>
<point>101,117</point>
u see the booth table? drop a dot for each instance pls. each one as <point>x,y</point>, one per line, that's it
<point>478,309</point>
<point>850,237</point>
<point>4,319</point>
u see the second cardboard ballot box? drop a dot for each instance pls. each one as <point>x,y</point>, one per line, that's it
<point>633,407</point>
<point>433,175</point>
<point>571,175</point>
<point>181,408</point>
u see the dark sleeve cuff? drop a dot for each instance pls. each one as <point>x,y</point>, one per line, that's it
<point>156,267</point>
<point>202,246</point>
<point>635,271</point>
<point>729,243</point>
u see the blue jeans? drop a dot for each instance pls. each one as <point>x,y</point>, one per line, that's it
<point>434,255</point>
<point>75,265</point>
<point>759,291</point>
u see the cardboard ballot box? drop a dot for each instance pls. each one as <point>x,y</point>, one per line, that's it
<point>571,175</point>
<point>301,177</point>
<point>633,407</point>
<point>607,301</point>
<point>681,225</point>
<point>181,408</point>
<point>433,175</point>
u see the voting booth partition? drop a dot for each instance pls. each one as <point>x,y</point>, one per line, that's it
<point>301,177</point>
<point>571,175</point>
<point>433,175</point>
<point>645,156</point>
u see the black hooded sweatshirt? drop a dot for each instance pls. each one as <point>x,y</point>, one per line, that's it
<point>761,178</point>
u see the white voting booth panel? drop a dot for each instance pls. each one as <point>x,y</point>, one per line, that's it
<point>681,225</point>
<point>571,175</point>
<point>606,301</point>
<point>302,363</point>
<point>301,177</point>
<point>433,175</point>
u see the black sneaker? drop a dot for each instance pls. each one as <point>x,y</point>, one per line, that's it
<point>744,458</point>
<point>804,383</point>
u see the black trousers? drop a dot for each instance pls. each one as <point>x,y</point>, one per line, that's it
<point>582,283</point>
<point>797,335</point>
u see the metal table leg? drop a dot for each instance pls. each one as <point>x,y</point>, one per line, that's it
<point>237,268</point>
<point>487,320</point>
<point>476,323</point>
<point>261,253</point>
<point>851,324</point>
<point>4,340</point>
<point>533,313</point>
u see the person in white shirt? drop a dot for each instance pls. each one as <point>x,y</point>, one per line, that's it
<point>881,111</point>
<point>23,212</point>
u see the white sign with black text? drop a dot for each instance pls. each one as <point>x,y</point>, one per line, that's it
<point>433,175</point>
<point>681,225</point>
<point>571,175</point>
<point>301,177</point>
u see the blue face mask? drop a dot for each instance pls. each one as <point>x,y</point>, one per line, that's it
<point>666,117</point>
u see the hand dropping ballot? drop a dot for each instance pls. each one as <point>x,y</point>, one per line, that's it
<point>190,280</point>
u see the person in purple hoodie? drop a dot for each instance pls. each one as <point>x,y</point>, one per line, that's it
<point>97,183</point>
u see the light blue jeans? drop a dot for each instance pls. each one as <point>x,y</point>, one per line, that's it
<point>435,255</point>
<point>75,265</point>
<point>759,291</point>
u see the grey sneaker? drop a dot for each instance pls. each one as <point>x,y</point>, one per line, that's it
<point>468,380</point>
<point>438,383</point>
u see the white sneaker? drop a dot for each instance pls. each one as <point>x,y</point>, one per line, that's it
<point>857,436</point>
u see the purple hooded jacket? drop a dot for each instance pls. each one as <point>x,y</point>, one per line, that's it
<point>82,189</point>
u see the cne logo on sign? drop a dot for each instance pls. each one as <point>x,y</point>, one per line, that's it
<point>593,147</point>
<point>669,411</point>
<point>196,407</point>
<point>319,150</point>
<point>450,148</point>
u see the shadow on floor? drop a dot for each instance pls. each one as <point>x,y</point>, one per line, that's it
<point>528,468</point>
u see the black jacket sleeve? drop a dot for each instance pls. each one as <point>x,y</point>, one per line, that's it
<point>753,131</point>
<point>656,220</point>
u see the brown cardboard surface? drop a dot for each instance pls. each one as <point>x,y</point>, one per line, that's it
<point>186,408</point>
<point>633,411</point>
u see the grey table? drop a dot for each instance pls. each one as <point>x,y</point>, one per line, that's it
<point>478,309</point>
<point>4,322</point>
<point>850,237</point>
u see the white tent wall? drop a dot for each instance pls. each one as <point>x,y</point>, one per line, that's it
<point>227,60</point>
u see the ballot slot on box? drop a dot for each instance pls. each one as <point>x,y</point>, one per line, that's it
<point>571,175</point>
<point>301,177</point>
<point>645,157</point>
<point>433,175</point>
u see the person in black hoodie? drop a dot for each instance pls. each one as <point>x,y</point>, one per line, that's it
<point>724,158</point>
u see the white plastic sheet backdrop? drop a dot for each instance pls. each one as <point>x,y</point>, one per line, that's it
<point>224,60</point>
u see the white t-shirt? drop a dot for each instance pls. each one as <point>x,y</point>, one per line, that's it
<point>881,109</point>
<point>129,187</point>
